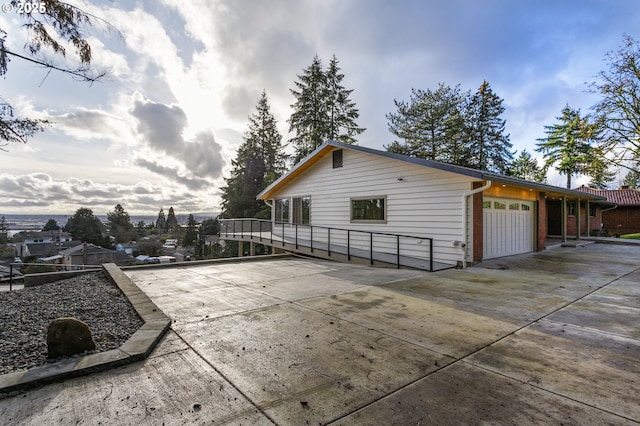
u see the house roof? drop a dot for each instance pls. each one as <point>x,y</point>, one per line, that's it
<point>41,249</point>
<point>621,197</point>
<point>329,146</point>
<point>90,248</point>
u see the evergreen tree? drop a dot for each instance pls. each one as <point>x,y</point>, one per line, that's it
<point>632,179</point>
<point>4,230</point>
<point>209,227</point>
<point>484,131</point>
<point>172,222</point>
<point>322,109</point>
<point>260,161</point>
<point>567,143</point>
<point>430,124</point>
<point>141,229</point>
<point>597,168</point>
<point>526,167</point>
<point>191,235</point>
<point>161,221</point>
<point>51,225</point>
<point>120,226</point>
<point>86,227</point>
<point>341,110</point>
<point>53,27</point>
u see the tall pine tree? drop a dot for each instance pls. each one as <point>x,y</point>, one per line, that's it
<point>430,124</point>
<point>161,221</point>
<point>342,111</point>
<point>172,222</point>
<point>259,162</point>
<point>567,143</point>
<point>485,131</point>
<point>526,167</point>
<point>322,109</point>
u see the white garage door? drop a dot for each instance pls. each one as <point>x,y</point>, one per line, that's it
<point>508,227</point>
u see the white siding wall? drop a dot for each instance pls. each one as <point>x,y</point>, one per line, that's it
<point>427,202</point>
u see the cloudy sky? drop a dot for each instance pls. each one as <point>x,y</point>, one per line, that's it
<point>162,128</point>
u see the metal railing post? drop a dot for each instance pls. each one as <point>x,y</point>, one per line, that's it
<point>430,254</point>
<point>329,242</point>
<point>398,251</point>
<point>371,248</point>
<point>282,233</point>
<point>260,229</point>
<point>251,229</point>
<point>296,235</point>
<point>348,245</point>
<point>311,241</point>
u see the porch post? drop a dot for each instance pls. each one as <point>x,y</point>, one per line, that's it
<point>240,249</point>
<point>587,212</point>
<point>252,248</point>
<point>578,219</point>
<point>563,215</point>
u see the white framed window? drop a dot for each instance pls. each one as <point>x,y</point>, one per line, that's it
<point>369,209</point>
<point>282,210</point>
<point>302,210</point>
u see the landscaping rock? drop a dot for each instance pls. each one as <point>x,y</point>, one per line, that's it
<point>67,337</point>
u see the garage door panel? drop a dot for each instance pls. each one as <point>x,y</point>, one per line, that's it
<point>508,227</point>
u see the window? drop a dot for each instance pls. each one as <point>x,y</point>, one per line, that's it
<point>592,210</point>
<point>302,210</point>
<point>499,206</point>
<point>571,208</point>
<point>369,209</point>
<point>282,210</point>
<point>514,206</point>
<point>486,204</point>
<point>337,158</point>
<point>525,207</point>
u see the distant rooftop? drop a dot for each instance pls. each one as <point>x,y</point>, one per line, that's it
<point>622,197</point>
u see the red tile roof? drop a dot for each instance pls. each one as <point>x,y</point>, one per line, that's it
<point>622,197</point>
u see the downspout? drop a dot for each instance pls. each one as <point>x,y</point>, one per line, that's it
<point>464,218</point>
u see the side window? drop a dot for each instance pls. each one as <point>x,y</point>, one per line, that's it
<point>571,208</point>
<point>302,210</point>
<point>369,209</point>
<point>337,158</point>
<point>282,210</point>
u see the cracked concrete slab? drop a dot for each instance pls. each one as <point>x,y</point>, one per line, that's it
<point>542,338</point>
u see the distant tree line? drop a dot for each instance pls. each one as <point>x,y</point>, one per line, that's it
<point>86,227</point>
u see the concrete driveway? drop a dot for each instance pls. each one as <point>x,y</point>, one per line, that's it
<point>544,338</point>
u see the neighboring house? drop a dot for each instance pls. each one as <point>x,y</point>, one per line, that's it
<point>470,215</point>
<point>624,216</point>
<point>44,249</point>
<point>36,243</point>
<point>88,254</point>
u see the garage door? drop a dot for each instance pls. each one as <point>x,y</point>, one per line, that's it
<point>508,227</point>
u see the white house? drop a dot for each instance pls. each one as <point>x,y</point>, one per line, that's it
<point>466,215</point>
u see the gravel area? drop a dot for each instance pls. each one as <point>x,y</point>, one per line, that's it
<point>25,316</point>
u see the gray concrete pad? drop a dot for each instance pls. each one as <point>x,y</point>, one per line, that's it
<point>543,338</point>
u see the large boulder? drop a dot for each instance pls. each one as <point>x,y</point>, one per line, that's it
<point>67,337</point>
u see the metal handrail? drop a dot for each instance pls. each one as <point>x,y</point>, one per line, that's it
<point>329,229</point>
